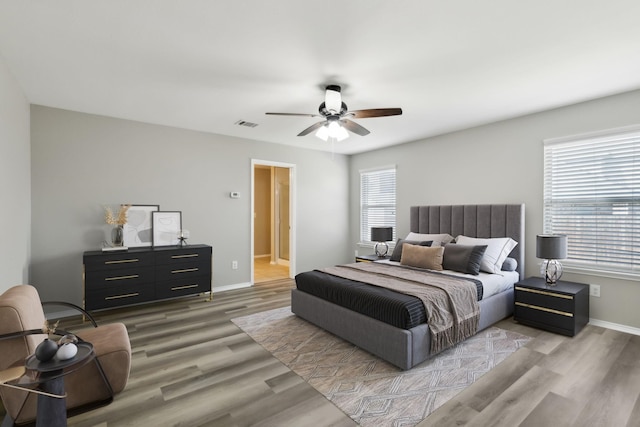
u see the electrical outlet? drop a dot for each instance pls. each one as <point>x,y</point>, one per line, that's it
<point>594,290</point>
<point>234,265</point>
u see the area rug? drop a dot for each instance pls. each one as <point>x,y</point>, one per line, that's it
<point>371,391</point>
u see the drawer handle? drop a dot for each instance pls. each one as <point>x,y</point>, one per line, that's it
<point>179,288</point>
<point>184,256</point>
<point>121,261</point>
<point>184,270</point>
<point>134,294</point>
<point>132,276</point>
<point>550,294</point>
<point>549,310</point>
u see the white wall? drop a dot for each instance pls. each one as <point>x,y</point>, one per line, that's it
<point>15,182</point>
<point>503,163</point>
<point>81,162</point>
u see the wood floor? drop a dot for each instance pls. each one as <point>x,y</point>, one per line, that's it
<point>264,271</point>
<point>193,367</point>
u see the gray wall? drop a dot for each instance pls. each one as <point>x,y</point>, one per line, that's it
<point>81,162</point>
<point>503,163</point>
<point>15,182</point>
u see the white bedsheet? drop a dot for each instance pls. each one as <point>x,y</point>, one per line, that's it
<point>492,283</point>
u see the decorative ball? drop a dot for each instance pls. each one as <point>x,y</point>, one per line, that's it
<point>69,338</point>
<point>46,350</point>
<point>66,351</point>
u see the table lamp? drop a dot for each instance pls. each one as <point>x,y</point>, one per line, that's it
<point>551,248</point>
<point>381,235</point>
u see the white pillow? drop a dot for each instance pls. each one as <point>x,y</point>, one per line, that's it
<point>437,239</point>
<point>498,250</point>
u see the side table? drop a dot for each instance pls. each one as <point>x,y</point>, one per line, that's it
<point>563,308</point>
<point>370,258</point>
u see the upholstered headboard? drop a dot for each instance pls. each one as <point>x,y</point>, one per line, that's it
<point>482,221</point>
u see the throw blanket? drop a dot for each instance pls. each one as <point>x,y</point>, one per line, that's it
<point>449,301</point>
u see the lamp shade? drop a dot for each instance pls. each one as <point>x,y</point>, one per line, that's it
<point>551,246</point>
<point>381,234</point>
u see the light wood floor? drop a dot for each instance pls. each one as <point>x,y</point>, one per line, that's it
<point>264,271</point>
<point>193,367</point>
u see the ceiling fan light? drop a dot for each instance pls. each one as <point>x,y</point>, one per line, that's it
<point>340,133</point>
<point>333,99</point>
<point>323,133</point>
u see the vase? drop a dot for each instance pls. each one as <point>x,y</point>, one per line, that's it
<point>117,235</point>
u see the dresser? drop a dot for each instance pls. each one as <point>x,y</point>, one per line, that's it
<point>563,308</point>
<point>140,275</point>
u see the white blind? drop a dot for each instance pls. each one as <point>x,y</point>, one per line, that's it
<point>592,194</point>
<point>377,201</point>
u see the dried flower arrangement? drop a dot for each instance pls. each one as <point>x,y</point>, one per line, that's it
<point>111,219</point>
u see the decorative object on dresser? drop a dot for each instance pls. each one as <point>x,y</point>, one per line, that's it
<point>551,248</point>
<point>138,228</point>
<point>118,221</point>
<point>167,227</point>
<point>381,235</point>
<point>145,274</point>
<point>563,308</point>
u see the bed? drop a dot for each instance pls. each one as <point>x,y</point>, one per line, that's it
<point>408,345</point>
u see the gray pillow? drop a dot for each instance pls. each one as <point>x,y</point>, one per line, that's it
<point>397,251</point>
<point>509,264</point>
<point>462,258</point>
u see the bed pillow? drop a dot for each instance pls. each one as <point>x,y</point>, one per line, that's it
<point>397,251</point>
<point>422,256</point>
<point>509,264</point>
<point>437,239</point>
<point>463,258</point>
<point>498,250</point>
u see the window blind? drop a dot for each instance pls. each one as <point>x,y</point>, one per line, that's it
<point>592,194</point>
<point>377,201</point>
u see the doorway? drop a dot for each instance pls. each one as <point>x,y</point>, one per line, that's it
<point>272,225</point>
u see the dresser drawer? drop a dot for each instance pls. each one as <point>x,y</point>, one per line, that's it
<point>185,255</point>
<point>117,260</point>
<point>119,295</point>
<point>551,300</point>
<point>183,286</point>
<point>122,276</point>
<point>183,270</point>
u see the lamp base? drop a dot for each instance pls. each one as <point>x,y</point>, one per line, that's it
<point>381,249</point>
<point>551,269</point>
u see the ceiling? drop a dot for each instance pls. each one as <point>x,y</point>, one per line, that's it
<point>205,65</point>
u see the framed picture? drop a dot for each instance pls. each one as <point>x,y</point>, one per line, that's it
<point>138,229</point>
<point>166,228</point>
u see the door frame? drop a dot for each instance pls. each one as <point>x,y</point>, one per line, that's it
<point>292,212</point>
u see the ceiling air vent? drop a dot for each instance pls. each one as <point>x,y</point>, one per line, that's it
<point>247,124</point>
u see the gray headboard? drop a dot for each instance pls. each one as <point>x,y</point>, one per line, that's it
<point>480,221</point>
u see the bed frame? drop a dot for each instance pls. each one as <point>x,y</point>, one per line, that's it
<point>406,348</point>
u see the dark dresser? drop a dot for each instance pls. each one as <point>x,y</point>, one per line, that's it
<point>563,308</point>
<point>139,275</point>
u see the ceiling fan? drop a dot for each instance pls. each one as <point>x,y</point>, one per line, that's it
<point>336,116</point>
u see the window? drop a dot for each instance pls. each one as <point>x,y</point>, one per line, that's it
<point>592,194</point>
<point>377,200</point>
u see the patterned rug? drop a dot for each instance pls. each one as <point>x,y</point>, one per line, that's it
<point>371,391</point>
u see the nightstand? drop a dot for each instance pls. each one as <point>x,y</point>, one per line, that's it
<point>370,258</point>
<point>563,308</point>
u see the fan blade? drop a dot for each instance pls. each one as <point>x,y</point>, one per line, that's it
<point>311,128</point>
<point>293,114</point>
<point>354,127</point>
<point>375,112</point>
<point>333,99</point>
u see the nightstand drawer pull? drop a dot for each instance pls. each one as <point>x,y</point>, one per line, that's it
<point>179,288</point>
<point>549,310</point>
<point>184,270</point>
<point>550,294</point>
<point>121,261</point>
<point>183,256</point>
<point>134,294</point>
<point>132,276</point>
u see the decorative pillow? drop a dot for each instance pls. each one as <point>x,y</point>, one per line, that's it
<point>438,239</point>
<point>422,257</point>
<point>397,251</point>
<point>462,258</point>
<point>509,264</point>
<point>498,250</point>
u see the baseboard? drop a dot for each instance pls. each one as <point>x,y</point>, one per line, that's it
<point>615,326</point>
<point>231,287</point>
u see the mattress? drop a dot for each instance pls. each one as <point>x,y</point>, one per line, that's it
<point>396,309</point>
